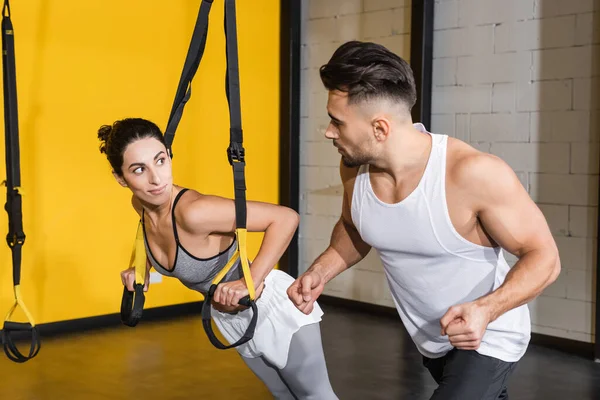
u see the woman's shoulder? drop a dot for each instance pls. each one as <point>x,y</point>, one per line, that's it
<point>203,213</point>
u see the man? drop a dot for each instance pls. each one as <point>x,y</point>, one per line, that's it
<point>439,213</point>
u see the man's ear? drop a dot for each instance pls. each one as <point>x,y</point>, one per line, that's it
<point>119,179</point>
<point>381,128</point>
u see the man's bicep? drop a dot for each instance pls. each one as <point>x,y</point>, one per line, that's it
<point>509,215</point>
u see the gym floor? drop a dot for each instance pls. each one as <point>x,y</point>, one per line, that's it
<point>369,357</point>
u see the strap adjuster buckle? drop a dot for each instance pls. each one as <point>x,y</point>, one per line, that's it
<point>235,153</point>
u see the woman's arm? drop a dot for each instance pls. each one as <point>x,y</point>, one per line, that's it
<point>214,214</point>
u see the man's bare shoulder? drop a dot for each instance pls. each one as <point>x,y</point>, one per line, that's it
<point>478,172</point>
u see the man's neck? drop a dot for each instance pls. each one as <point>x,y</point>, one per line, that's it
<point>407,150</point>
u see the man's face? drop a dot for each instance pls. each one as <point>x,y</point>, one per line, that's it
<point>350,130</point>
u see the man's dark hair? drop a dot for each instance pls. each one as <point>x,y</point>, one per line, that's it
<point>367,71</point>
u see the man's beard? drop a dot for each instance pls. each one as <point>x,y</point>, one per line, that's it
<point>353,162</point>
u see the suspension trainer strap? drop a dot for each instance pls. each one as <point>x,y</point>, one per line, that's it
<point>192,61</point>
<point>236,156</point>
<point>16,236</point>
<point>132,303</point>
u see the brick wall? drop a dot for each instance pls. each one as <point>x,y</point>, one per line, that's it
<point>326,25</point>
<point>516,78</point>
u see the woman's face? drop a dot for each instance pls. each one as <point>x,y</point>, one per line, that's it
<point>147,171</point>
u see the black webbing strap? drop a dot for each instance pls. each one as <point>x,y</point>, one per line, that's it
<point>206,321</point>
<point>16,236</point>
<point>235,154</point>
<point>192,61</point>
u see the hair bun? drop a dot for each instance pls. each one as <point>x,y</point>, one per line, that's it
<point>103,134</point>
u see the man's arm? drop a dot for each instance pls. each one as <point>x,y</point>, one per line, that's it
<point>513,220</point>
<point>346,248</point>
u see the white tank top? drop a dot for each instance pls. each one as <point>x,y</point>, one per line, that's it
<point>430,267</point>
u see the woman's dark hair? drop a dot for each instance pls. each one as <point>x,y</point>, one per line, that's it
<point>115,139</point>
<point>368,70</point>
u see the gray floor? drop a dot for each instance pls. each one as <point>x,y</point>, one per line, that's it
<point>369,357</point>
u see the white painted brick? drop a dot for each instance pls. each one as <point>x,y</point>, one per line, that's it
<point>563,126</point>
<point>461,99</point>
<point>318,106</point>
<point>524,179</point>
<point>585,158</point>
<point>320,9</point>
<point>574,62</point>
<point>553,8</point>
<point>377,24</point>
<point>446,15</point>
<point>581,190</point>
<point>338,29</point>
<point>507,67</point>
<point>349,27</point>
<point>535,34</point>
<point>319,204</point>
<point>463,127</point>
<point>580,285</point>
<point>500,127</point>
<point>372,262</point>
<point>576,253</point>
<point>313,129</point>
<point>463,42</point>
<point>444,71</point>
<point>504,97</point>
<point>317,228</point>
<point>583,221</point>
<point>401,23</point>
<point>572,315</point>
<point>304,100</point>
<point>480,12</point>
<point>304,57</point>
<point>529,157</point>
<point>558,288</point>
<point>585,94</point>
<point>587,30</point>
<point>563,333</point>
<point>557,218</point>
<point>311,249</point>
<point>321,30</point>
<point>481,146</point>
<point>374,5</point>
<point>397,44</point>
<point>319,154</point>
<point>319,54</point>
<point>443,123</point>
<point>544,96</point>
<point>316,178</point>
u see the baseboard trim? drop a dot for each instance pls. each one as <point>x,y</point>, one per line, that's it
<point>81,325</point>
<point>74,326</point>
<point>570,346</point>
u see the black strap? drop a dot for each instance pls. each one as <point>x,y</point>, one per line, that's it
<point>11,350</point>
<point>206,321</point>
<point>132,305</point>
<point>16,236</point>
<point>192,61</point>
<point>235,152</point>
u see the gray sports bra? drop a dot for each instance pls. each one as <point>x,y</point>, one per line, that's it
<point>195,273</point>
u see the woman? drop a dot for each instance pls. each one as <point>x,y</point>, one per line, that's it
<point>191,236</point>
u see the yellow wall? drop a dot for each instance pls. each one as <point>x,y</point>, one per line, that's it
<point>81,64</point>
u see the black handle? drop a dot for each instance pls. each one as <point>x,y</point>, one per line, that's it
<point>132,305</point>
<point>11,350</point>
<point>206,321</point>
